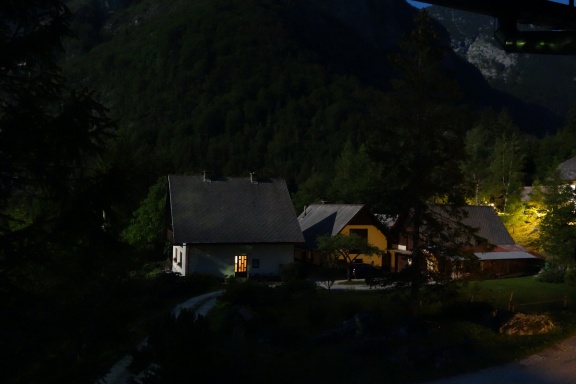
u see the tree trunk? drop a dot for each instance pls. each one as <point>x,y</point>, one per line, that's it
<point>418,264</point>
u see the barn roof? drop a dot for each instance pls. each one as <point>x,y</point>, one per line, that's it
<point>489,225</point>
<point>568,169</point>
<point>231,210</point>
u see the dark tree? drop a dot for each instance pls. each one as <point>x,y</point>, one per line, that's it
<point>50,135</point>
<point>54,195</point>
<point>419,145</point>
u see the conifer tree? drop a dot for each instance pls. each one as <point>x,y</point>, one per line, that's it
<point>420,146</point>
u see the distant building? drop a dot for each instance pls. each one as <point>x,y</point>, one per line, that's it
<point>231,226</point>
<point>567,170</point>
<point>505,257</point>
<point>333,219</point>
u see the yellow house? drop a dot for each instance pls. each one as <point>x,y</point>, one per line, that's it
<point>332,219</point>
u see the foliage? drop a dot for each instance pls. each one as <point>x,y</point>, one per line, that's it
<point>506,165</point>
<point>494,161</point>
<point>227,103</point>
<point>147,226</point>
<point>354,181</point>
<point>476,165</point>
<point>294,272</point>
<point>346,248</point>
<point>321,337</point>
<point>173,343</point>
<point>422,128</point>
<point>552,274</point>
<point>523,222</point>
<point>557,229</point>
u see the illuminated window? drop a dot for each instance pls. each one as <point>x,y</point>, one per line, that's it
<point>241,265</point>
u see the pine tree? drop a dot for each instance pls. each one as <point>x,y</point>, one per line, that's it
<point>420,147</point>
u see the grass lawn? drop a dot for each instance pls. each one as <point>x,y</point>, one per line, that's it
<point>528,295</point>
<point>299,336</point>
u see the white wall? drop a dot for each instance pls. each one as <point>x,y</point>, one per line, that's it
<point>219,259</point>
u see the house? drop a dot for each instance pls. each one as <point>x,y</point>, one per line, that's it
<point>332,219</point>
<point>231,226</point>
<point>567,170</point>
<point>505,257</point>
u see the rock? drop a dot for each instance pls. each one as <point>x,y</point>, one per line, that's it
<point>522,324</point>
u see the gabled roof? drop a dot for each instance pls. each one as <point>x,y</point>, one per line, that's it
<point>330,219</point>
<point>232,211</point>
<point>513,255</point>
<point>488,223</point>
<point>568,169</point>
<point>493,229</point>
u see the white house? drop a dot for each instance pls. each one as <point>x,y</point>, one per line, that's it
<point>231,226</point>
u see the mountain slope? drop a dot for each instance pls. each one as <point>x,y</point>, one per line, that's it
<point>541,80</point>
<point>230,86</point>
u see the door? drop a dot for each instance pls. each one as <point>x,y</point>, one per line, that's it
<point>241,266</point>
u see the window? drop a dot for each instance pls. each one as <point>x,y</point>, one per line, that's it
<point>241,265</point>
<point>256,263</point>
<point>360,232</point>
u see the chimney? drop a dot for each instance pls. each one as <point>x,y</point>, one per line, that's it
<point>252,178</point>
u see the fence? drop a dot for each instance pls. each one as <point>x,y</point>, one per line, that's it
<point>512,306</point>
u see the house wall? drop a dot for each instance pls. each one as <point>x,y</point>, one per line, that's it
<point>219,259</point>
<point>376,239</point>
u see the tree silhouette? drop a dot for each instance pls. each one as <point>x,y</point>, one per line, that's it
<point>420,144</point>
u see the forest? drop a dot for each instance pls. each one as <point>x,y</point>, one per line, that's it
<point>100,100</point>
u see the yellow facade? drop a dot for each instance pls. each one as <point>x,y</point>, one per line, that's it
<point>376,239</point>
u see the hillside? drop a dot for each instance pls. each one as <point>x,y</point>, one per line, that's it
<point>275,87</point>
<point>540,80</point>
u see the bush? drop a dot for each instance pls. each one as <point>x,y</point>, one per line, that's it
<point>249,293</point>
<point>297,289</point>
<point>294,272</point>
<point>553,274</point>
<point>570,276</point>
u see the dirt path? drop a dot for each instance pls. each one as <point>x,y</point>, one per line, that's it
<point>555,365</point>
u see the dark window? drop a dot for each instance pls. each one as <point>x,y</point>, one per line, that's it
<point>255,263</point>
<point>362,233</point>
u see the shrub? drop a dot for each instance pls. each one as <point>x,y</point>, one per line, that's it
<point>553,274</point>
<point>294,272</point>
<point>249,293</point>
<point>570,276</point>
<point>297,289</point>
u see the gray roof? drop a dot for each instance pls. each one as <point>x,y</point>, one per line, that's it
<point>326,219</point>
<point>568,169</point>
<point>515,255</point>
<point>232,211</point>
<point>489,224</point>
